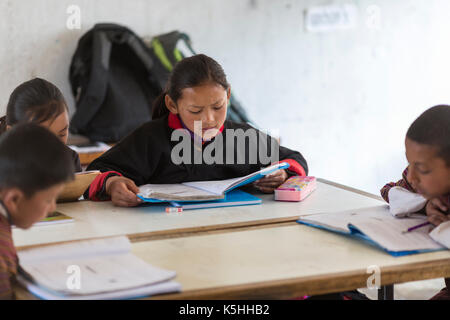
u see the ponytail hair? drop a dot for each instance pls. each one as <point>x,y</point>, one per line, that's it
<point>159,109</point>
<point>35,101</point>
<point>3,125</point>
<point>187,73</point>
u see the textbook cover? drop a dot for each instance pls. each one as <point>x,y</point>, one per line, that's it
<point>233,198</point>
<point>54,218</point>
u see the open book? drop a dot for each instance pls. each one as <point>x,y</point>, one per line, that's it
<point>91,269</point>
<point>377,226</point>
<point>201,190</point>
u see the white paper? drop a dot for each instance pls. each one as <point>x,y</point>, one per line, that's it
<point>102,265</point>
<point>174,192</point>
<point>97,274</point>
<point>217,187</point>
<point>380,226</point>
<point>441,234</point>
<point>221,186</point>
<point>159,288</point>
<point>403,202</point>
<point>387,231</point>
<point>77,249</point>
<point>98,147</point>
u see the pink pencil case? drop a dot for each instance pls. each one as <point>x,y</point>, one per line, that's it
<point>295,189</point>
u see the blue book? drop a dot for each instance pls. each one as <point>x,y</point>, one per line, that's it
<point>196,191</point>
<point>233,198</point>
<point>376,226</point>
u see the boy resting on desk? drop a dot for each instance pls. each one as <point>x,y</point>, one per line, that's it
<point>34,165</point>
<point>428,153</point>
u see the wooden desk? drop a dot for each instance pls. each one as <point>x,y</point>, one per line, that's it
<point>280,263</point>
<point>102,219</point>
<point>249,252</point>
<point>277,262</point>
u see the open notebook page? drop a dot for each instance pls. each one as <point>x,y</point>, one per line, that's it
<point>75,249</point>
<point>379,225</point>
<point>221,186</point>
<point>104,271</point>
<point>158,288</point>
<point>174,192</point>
<point>340,220</point>
<point>387,231</point>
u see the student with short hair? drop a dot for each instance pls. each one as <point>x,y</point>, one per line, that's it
<point>34,166</point>
<point>40,101</point>
<point>197,92</point>
<point>428,173</point>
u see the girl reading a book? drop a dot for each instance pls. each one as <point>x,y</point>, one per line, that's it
<point>41,102</point>
<point>189,139</point>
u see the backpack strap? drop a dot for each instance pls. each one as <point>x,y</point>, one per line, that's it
<point>92,99</point>
<point>165,48</point>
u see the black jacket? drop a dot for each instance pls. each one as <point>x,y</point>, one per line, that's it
<point>144,156</point>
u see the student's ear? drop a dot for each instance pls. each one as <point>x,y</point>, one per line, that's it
<point>12,199</point>
<point>170,104</point>
<point>8,127</point>
<point>229,93</point>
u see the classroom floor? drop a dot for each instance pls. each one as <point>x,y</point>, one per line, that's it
<point>417,290</point>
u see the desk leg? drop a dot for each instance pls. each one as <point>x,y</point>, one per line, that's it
<point>386,292</point>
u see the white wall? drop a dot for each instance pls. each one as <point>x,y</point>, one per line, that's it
<point>343,98</point>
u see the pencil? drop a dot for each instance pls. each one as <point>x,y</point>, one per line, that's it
<point>416,227</point>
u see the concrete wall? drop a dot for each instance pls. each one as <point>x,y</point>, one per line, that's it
<point>344,98</point>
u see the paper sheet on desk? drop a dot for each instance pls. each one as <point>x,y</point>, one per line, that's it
<point>441,234</point>
<point>158,288</point>
<point>387,231</point>
<point>102,268</point>
<point>377,225</point>
<point>174,192</point>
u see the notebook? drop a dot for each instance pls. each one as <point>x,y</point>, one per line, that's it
<point>201,190</point>
<point>54,218</point>
<point>105,268</point>
<point>232,198</point>
<point>377,226</point>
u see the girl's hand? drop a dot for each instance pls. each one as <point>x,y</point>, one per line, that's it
<point>435,211</point>
<point>272,181</point>
<point>122,191</point>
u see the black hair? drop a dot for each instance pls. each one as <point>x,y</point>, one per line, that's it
<point>187,73</point>
<point>36,101</point>
<point>433,128</point>
<point>33,159</point>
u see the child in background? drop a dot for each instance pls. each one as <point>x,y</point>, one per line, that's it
<point>39,101</point>
<point>197,92</point>
<point>428,153</point>
<point>34,165</point>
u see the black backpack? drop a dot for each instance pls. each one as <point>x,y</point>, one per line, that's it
<point>113,84</point>
<point>115,78</point>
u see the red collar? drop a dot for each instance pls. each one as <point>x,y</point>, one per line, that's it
<point>174,121</point>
